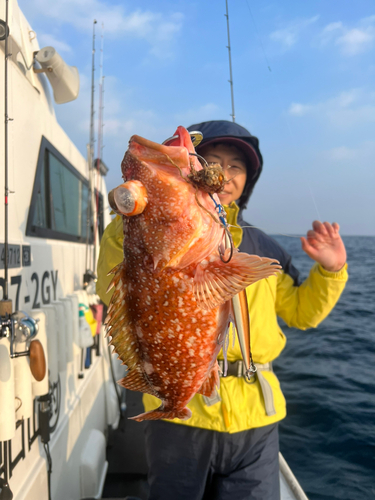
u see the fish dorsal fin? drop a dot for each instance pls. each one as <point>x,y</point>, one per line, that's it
<point>216,282</point>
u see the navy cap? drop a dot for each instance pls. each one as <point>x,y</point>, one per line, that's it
<point>224,131</point>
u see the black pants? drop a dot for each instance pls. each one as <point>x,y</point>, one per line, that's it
<point>187,463</point>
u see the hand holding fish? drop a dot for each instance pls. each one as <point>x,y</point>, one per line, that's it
<point>324,245</point>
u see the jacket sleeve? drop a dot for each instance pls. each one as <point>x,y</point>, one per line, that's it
<point>307,305</point>
<point>110,254</point>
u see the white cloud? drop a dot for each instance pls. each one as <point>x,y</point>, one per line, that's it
<point>158,29</point>
<point>50,40</point>
<point>341,153</point>
<point>347,109</point>
<point>297,109</point>
<point>288,36</point>
<point>350,40</point>
<point>362,155</point>
<point>355,41</point>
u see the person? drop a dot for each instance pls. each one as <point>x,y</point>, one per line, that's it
<point>229,447</point>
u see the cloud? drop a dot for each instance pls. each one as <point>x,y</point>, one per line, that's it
<point>341,153</point>
<point>350,40</point>
<point>362,156</point>
<point>288,36</point>
<point>299,109</point>
<point>347,109</point>
<point>158,29</point>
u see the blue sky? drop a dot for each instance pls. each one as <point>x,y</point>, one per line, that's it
<point>304,83</point>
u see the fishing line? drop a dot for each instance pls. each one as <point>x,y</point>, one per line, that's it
<point>276,86</point>
<point>200,158</point>
<point>222,217</point>
<point>259,38</point>
<point>269,232</point>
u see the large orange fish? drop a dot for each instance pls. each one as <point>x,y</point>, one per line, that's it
<point>171,305</point>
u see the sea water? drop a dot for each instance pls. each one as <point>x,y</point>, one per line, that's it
<point>328,378</point>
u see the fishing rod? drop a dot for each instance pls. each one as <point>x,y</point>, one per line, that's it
<point>10,322</point>
<point>230,64</point>
<point>6,183</point>
<point>21,320</point>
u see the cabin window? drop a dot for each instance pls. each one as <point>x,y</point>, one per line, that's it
<point>59,205</point>
<point>66,198</point>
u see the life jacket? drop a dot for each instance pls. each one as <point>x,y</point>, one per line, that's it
<point>243,404</point>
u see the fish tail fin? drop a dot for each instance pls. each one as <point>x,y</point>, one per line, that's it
<point>161,413</point>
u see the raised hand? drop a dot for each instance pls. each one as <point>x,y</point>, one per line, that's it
<point>324,245</point>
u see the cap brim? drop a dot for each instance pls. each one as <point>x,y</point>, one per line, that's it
<point>245,147</point>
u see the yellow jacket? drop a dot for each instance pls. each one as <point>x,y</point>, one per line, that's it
<point>242,405</point>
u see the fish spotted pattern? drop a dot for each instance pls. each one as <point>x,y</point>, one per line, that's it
<point>170,308</point>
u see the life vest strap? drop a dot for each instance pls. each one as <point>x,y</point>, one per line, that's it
<point>237,369</point>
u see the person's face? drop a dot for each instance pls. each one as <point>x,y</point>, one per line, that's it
<point>234,164</point>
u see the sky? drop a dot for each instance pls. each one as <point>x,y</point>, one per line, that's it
<point>304,84</point>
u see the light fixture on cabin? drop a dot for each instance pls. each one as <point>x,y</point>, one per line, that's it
<point>4,30</point>
<point>63,78</point>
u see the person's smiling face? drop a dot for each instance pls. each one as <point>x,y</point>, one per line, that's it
<point>234,164</point>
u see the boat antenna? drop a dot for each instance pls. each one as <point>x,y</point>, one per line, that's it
<point>230,64</point>
<point>100,140</point>
<point>6,182</point>
<point>90,149</point>
<point>92,138</point>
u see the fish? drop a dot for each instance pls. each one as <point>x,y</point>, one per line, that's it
<point>171,305</point>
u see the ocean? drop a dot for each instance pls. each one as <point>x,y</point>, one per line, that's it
<point>327,376</point>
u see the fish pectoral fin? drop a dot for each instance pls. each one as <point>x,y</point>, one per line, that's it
<point>212,382</point>
<point>136,381</point>
<point>216,282</point>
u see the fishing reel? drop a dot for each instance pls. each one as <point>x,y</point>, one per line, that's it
<point>89,281</point>
<point>25,328</point>
<point>19,327</point>
<point>5,318</point>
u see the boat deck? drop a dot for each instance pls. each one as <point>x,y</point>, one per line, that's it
<point>127,470</point>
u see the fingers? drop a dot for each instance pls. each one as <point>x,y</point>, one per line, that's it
<point>308,248</point>
<point>304,244</point>
<point>324,229</point>
<point>329,229</point>
<point>314,237</point>
<point>318,227</point>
